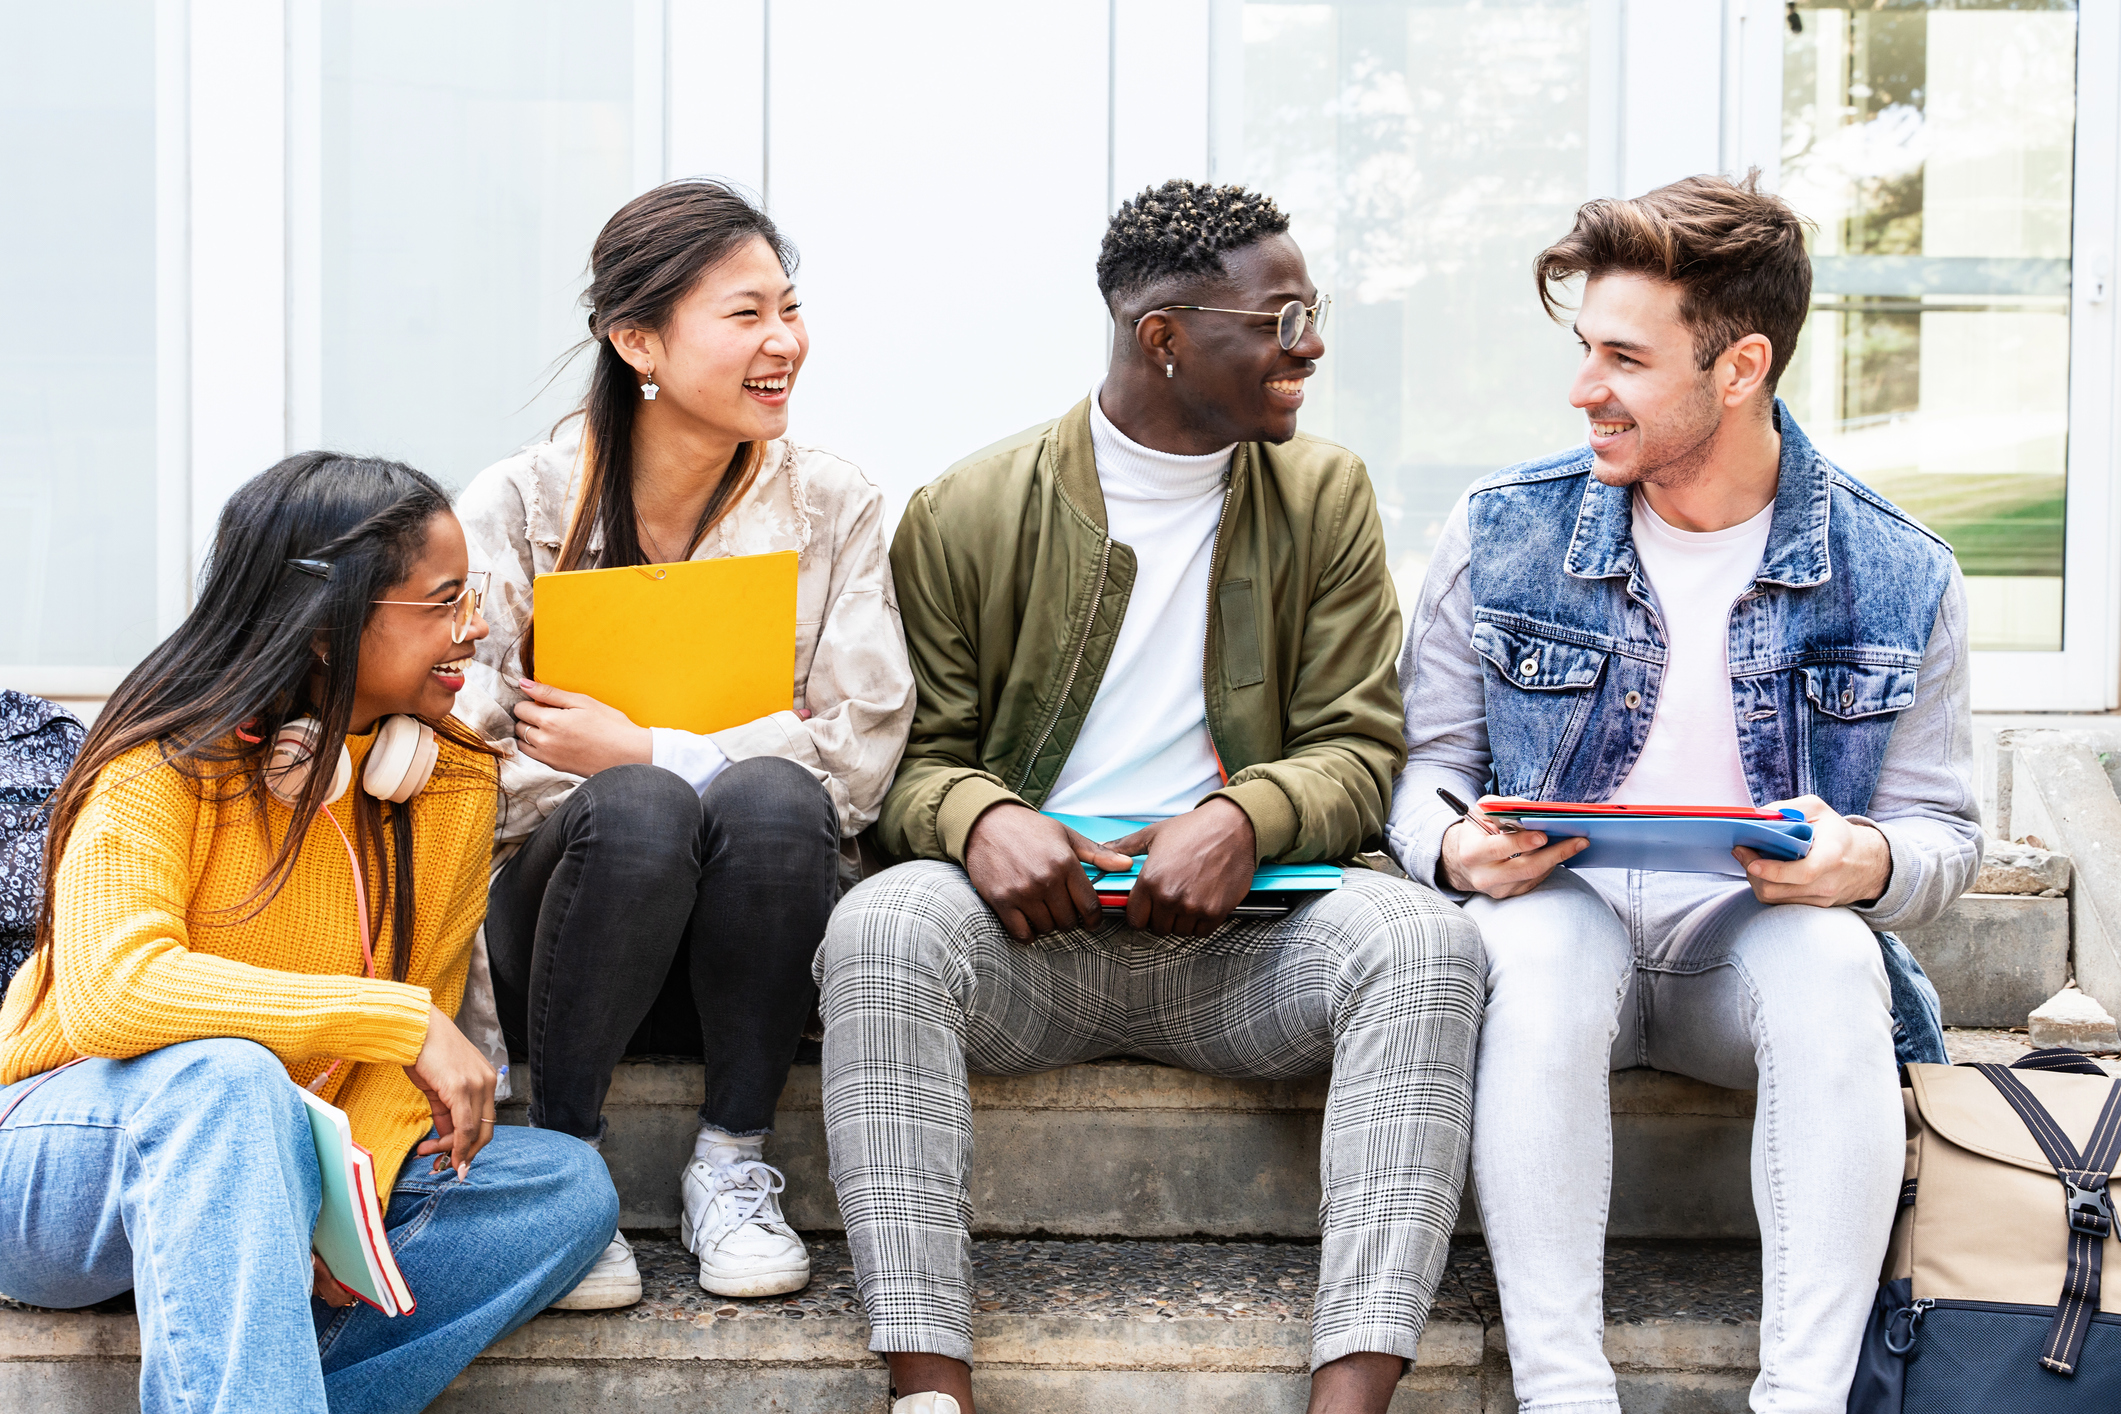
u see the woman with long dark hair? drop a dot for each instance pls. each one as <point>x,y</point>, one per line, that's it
<point>675,886</point>
<point>265,870</point>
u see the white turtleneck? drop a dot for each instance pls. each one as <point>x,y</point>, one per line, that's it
<point>1144,751</point>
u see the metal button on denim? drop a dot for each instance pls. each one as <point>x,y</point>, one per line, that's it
<point>1633,700</point>
<point>1848,695</point>
<point>1528,667</point>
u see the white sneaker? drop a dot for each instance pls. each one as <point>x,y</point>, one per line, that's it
<point>733,1224</point>
<point>613,1282</point>
<point>926,1402</point>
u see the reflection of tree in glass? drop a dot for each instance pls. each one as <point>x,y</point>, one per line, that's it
<point>1881,354</point>
<point>1887,63</point>
<point>1421,176</point>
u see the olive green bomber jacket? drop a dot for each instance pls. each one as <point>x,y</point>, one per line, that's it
<point>1012,593</point>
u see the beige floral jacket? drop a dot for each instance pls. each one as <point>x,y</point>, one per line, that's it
<point>851,668</point>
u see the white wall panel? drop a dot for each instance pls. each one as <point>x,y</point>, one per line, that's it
<point>1159,94</point>
<point>651,20</point>
<point>238,250</point>
<point>172,315</point>
<point>715,75</point>
<point>1753,32</point>
<point>945,182</point>
<point>1672,95</point>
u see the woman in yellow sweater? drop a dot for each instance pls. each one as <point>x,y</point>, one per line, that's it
<point>208,944</point>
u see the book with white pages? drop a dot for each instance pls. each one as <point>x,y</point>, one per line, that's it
<point>349,1235</point>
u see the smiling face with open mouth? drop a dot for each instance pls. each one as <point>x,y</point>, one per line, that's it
<point>410,662</point>
<point>1653,410</point>
<point>726,360</point>
<point>1231,377</point>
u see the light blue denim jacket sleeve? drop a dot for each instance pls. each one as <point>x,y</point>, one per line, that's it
<point>1924,801</point>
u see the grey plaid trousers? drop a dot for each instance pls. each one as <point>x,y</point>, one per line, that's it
<point>1380,981</point>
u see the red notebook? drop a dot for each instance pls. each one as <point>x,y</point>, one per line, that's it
<point>1517,805</point>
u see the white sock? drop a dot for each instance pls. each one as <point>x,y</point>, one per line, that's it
<point>715,1147</point>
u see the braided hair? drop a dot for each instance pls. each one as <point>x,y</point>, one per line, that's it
<point>1179,232</point>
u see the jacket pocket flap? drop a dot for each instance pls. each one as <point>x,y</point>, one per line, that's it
<point>1531,661</point>
<point>1963,1106</point>
<point>1851,690</point>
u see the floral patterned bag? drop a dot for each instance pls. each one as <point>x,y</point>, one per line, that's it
<point>38,740</point>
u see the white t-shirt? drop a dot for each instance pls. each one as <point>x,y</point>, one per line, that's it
<point>1144,752</point>
<point>1691,756</point>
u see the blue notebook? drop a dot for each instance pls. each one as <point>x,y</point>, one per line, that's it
<point>1268,878</point>
<point>1686,844</point>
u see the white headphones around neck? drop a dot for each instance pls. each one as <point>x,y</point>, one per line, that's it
<point>398,764</point>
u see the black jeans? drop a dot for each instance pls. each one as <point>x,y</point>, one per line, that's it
<point>641,918</point>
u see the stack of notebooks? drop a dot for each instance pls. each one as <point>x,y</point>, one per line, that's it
<point>349,1235</point>
<point>1276,888</point>
<point>1689,839</point>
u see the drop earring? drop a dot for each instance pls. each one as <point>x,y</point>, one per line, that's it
<point>649,389</point>
<point>1170,370</point>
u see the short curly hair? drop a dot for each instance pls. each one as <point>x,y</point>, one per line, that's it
<point>1180,229</point>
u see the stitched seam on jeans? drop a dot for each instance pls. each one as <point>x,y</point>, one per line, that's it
<point>1765,1113</point>
<point>169,1327</point>
<point>337,1328</point>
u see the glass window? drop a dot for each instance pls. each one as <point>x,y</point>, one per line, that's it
<point>1933,145</point>
<point>471,151</point>
<point>1425,152</point>
<point>77,368</point>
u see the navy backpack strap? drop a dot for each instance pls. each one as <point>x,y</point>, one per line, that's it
<point>2059,1058</point>
<point>2086,1204</point>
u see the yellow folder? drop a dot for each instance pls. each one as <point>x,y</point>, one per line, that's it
<point>703,645</point>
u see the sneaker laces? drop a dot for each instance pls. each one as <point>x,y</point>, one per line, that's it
<point>746,1187</point>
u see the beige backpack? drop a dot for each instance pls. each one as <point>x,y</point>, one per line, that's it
<point>1992,1300</point>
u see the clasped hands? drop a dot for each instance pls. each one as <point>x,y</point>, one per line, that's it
<point>1028,867</point>
<point>1848,863</point>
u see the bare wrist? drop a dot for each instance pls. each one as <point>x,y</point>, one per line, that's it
<point>1446,874</point>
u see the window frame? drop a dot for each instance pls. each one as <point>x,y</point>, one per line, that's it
<point>2085,674</point>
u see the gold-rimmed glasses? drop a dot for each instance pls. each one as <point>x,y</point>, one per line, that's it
<point>467,604</point>
<point>1289,320</point>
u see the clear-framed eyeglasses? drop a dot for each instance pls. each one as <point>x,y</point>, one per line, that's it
<point>462,609</point>
<point>1289,321</point>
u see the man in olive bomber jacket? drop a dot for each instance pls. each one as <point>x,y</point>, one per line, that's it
<point>1165,606</point>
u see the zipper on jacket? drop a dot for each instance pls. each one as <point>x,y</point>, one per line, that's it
<point>1082,645</point>
<point>1215,549</point>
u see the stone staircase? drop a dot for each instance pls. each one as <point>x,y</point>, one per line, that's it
<point>1138,1150</point>
<point>1147,1241</point>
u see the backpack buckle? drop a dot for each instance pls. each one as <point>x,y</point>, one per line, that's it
<point>2091,1210</point>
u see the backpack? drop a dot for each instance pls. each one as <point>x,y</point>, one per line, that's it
<point>38,740</point>
<point>1994,1298</point>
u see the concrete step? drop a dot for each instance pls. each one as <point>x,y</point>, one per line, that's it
<point>1060,1328</point>
<point>1994,957</point>
<point>1134,1149</point>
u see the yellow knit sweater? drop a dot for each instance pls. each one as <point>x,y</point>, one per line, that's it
<point>152,944</point>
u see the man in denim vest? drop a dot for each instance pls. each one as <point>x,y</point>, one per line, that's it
<point>1695,609</point>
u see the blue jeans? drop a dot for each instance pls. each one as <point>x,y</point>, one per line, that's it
<point>189,1176</point>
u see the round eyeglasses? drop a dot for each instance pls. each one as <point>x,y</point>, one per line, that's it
<point>1289,321</point>
<point>462,608</point>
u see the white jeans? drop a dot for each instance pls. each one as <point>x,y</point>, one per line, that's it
<point>1607,969</point>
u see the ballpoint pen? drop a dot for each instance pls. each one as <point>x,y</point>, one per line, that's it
<point>1481,821</point>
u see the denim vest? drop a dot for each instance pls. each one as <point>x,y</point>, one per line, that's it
<point>1823,648</point>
